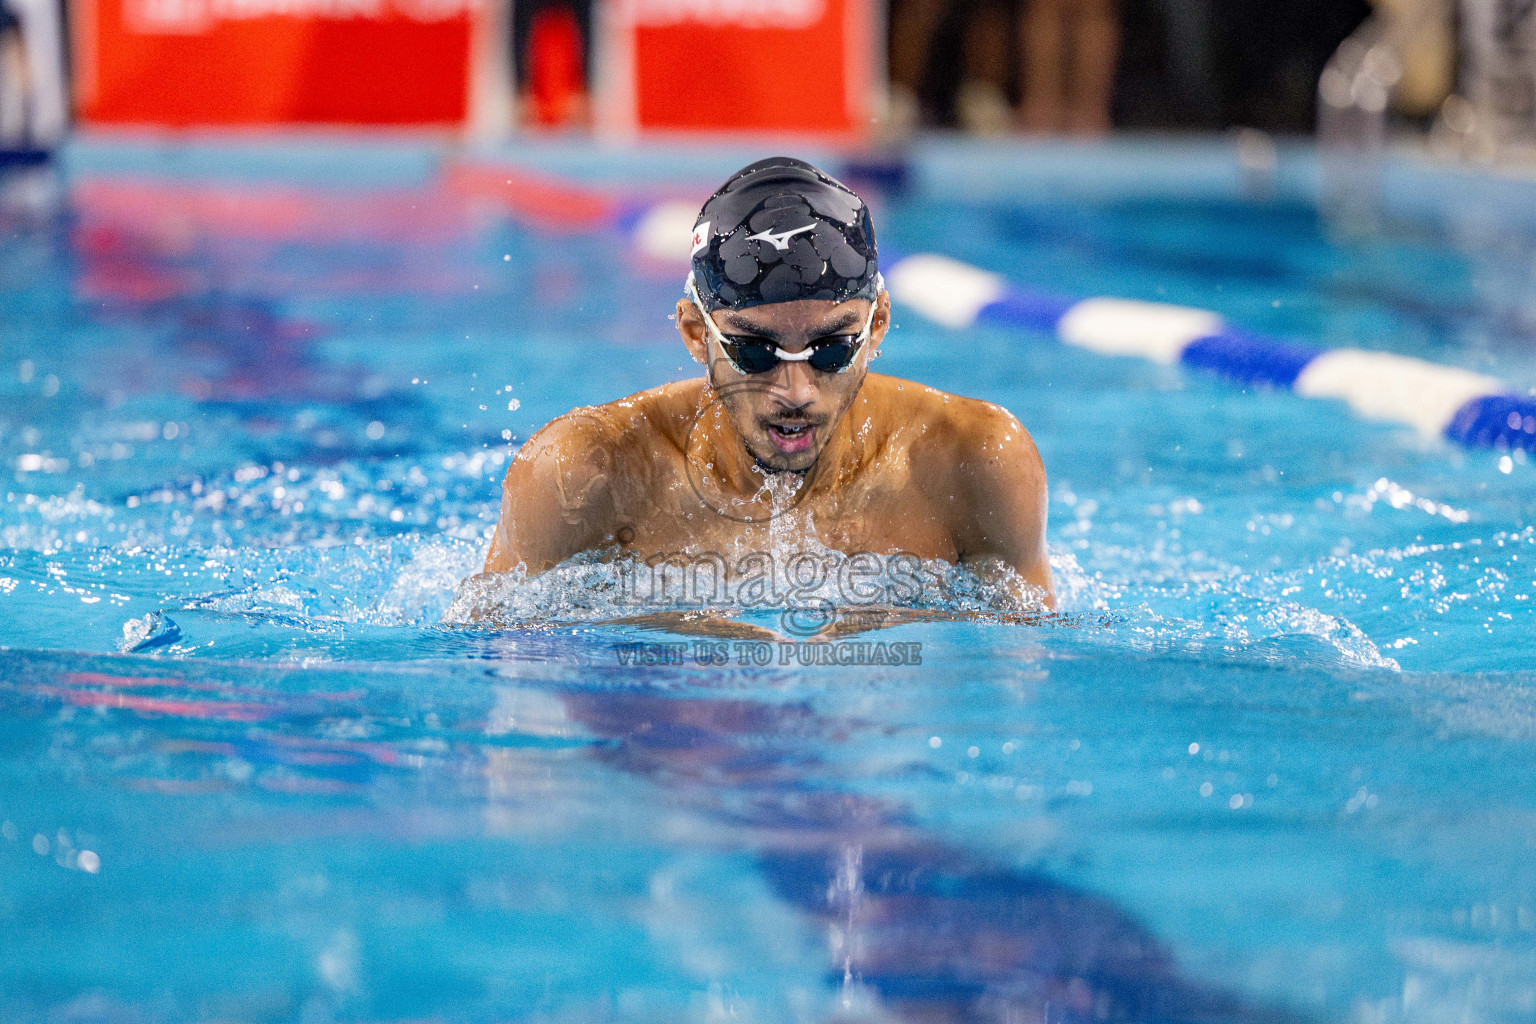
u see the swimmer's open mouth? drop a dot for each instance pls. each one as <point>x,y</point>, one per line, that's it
<point>791,438</point>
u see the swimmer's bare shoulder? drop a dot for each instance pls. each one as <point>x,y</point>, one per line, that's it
<point>562,491</point>
<point>986,471</point>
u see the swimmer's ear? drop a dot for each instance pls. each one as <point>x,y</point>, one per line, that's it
<point>881,324</point>
<point>691,326</point>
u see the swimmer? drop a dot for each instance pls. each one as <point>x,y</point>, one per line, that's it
<point>785,309</point>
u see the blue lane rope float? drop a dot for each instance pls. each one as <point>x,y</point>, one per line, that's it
<point>1439,401</point>
<point>23,157</point>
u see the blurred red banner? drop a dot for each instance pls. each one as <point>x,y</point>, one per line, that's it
<point>248,62</point>
<point>740,66</point>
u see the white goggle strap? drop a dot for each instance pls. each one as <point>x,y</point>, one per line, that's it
<point>805,354</point>
<point>709,321</point>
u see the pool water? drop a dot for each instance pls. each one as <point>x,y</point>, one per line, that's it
<point>1277,761</point>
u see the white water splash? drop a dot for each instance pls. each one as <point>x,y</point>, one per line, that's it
<point>598,585</point>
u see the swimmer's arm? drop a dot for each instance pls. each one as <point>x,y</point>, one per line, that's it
<point>555,498</point>
<point>717,625</point>
<point>1000,482</point>
<point>867,620</point>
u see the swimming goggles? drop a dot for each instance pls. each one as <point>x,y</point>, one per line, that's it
<point>832,354</point>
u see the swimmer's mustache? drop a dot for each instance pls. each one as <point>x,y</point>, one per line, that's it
<point>792,418</point>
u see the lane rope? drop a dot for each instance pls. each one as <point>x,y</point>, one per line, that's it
<point>1469,408</point>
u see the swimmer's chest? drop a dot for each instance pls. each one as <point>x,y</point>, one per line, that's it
<point>870,520</point>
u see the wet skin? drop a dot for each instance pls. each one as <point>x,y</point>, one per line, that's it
<point>871,463</point>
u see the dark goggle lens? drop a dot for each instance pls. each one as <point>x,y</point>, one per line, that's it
<point>832,356</point>
<point>759,357</point>
<point>752,356</point>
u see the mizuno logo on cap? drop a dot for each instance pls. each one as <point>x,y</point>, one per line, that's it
<point>779,239</point>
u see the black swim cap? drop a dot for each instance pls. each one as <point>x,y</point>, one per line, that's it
<point>780,230</point>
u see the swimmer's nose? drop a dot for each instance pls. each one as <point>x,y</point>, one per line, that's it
<point>796,385</point>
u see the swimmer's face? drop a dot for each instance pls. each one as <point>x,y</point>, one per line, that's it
<point>786,415</point>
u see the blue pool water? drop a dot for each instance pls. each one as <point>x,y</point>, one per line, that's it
<point>1279,763</point>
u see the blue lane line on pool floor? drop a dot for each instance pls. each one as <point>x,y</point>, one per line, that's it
<point>1470,408</point>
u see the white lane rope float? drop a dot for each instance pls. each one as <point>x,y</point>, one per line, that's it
<point>1438,401</point>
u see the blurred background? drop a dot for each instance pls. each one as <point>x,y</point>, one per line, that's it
<point>1456,72</point>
